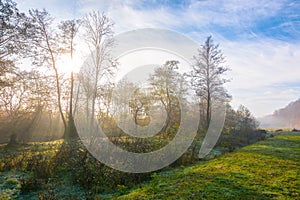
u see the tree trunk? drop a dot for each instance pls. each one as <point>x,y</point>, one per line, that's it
<point>208,110</point>
<point>71,131</point>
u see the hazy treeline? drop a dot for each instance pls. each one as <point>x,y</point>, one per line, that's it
<point>39,101</point>
<point>286,117</point>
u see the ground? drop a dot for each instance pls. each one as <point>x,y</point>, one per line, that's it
<point>269,169</point>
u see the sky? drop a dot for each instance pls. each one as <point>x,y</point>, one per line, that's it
<point>260,39</point>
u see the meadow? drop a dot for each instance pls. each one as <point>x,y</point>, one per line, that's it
<point>268,169</point>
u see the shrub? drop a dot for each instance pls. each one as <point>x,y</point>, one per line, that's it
<point>30,184</point>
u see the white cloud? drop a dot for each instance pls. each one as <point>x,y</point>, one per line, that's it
<point>59,9</point>
<point>262,73</point>
<point>263,63</point>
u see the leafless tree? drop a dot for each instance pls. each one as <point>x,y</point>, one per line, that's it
<point>100,66</point>
<point>206,76</point>
<point>69,30</point>
<point>46,50</point>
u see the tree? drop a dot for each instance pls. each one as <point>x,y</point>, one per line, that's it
<point>245,121</point>
<point>14,27</point>
<point>69,29</point>
<point>168,86</point>
<point>100,66</point>
<point>206,77</point>
<point>105,99</point>
<point>231,120</point>
<point>240,128</point>
<point>21,104</point>
<point>7,69</point>
<point>139,105</point>
<point>46,50</point>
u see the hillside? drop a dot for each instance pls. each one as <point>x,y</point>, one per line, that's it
<point>287,117</point>
<point>265,170</point>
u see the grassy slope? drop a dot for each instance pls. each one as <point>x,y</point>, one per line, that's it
<point>266,170</point>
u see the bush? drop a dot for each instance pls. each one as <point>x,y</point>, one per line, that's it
<point>240,138</point>
<point>30,184</point>
<point>41,166</point>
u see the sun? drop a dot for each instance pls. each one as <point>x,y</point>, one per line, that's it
<point>67,65</point>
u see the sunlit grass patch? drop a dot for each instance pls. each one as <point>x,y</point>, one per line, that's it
<point>266,170</point>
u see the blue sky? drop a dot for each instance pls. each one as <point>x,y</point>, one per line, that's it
<point>260,38</point>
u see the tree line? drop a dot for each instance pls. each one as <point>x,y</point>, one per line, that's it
<point>41,102</point>
<point>38,102</point>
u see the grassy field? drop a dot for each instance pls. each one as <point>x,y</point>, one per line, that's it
<point>269,169</point>
<point>266,170</point>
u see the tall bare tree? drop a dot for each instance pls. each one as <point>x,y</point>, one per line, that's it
<point>46,50</point>
<point>69,30</point>
<point>100,66</point>
<point>206,76</point>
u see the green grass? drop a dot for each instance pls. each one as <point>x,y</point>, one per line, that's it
<point>269,169</point>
